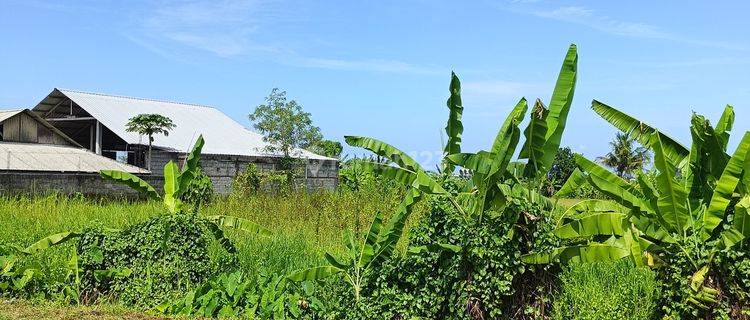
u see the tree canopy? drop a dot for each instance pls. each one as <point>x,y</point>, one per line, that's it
<point>284,124</point>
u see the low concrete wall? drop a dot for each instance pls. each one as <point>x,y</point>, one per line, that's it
<point>223,168</point>
<point>220,168</point>
<point>64,182</point>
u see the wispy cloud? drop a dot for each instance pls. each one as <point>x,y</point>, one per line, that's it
<point>223,28</point>
<point>603,23</point>
<point>235,29</point>
<point>373,65</point>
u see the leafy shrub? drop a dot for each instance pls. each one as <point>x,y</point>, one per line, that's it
<point>200,191</point>
<point>145,263</point>
<point>238,295</point>
<point>735,265</point>
<point>697,210</point>
<point>484,281</point>
<point>606,291</point>
<point>24,281</point>
<point>252,181</point>
<point>248,181</point>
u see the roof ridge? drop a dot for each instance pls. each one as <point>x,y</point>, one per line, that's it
<point>135,98</point>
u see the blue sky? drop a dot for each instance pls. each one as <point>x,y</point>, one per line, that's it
<point>382,68</point>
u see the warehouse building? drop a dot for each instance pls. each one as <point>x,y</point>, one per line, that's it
<point>36,156</point>
<point>96,122</point>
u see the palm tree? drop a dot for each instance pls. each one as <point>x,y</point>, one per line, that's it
<point>150,124</point>
<point>626,157</point>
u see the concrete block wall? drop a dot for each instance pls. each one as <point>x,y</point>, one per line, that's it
<point>220,168</point>
<point>223,168</point>
<point>15,182</point>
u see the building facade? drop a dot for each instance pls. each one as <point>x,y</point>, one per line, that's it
<point>97,122</point>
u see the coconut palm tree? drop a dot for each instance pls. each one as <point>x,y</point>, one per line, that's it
<point>626,157</point>
<point>149,125</point>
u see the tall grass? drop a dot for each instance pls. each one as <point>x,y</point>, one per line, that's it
<point>304,225</point>
<point>606,291</point>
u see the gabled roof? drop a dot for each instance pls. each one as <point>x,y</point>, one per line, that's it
<point>222,134</point>
<point>7,114</point>
<point>53,158</point>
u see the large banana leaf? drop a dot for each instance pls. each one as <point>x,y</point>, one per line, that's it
<point>507,138</point>
<point>400,175</point>
<point>579,254</point>
<point>575,182</point>
<point>454,129</point>
<point>393,231</point>
<point>49,241</point>
<point>740,230</point>
<point>608,224</point>
<point>641,131</point>
<point>171,186</point>
<point>240,224</point>
<point>132,181</point>
<point>384,150</point>
<point>672,202</point>
<point>559,106</point>
<point>190,168</point>
<point>535,133</point>
<point>612,185</point>
<point>350,243</point>
<point>368,249</point>
<point>594,169</point>
<point>480,162</point>
<point>725,188</point>
<point>588,206</point>
<point>426,184</point>
<point>420,180</point>
<point>707,160</point>
<point>724,126</point>
<point>316,273</point>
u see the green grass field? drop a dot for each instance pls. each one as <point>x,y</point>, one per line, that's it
<point>304,225</point>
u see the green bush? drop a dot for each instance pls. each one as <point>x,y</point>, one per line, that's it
<point>239,295</point>
<point>145,263</point>
<point>606,291</point>
<point>200,191</point>
<point>486,281</point>
<point>252,181</point>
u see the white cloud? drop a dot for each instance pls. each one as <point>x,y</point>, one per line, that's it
<point>232,29</point>
<point>591,19</point>
<point>373,65</point>
<point>224,28</point>
<point>585,16</point>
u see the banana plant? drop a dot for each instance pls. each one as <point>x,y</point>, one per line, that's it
<point>14,278</point>
<point>377,246</point>
<point>493,173</point>
<point>176,182</point>
<point>706,206</point>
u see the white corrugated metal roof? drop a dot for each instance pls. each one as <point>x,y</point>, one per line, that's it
<point>222,134</point>
<point>5,114</point>
<point>54,158</point>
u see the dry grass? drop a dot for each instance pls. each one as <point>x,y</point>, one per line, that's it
<point>20,309</point>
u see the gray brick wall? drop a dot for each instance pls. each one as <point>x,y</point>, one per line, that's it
<point>220,168</point>
<point>86,183</point>
<point>223,168</point>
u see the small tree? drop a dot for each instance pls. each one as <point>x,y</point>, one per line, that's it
<point>284,124</point>
<point>150,124</point>
<point>626,157</point>
<point>328,148</point>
